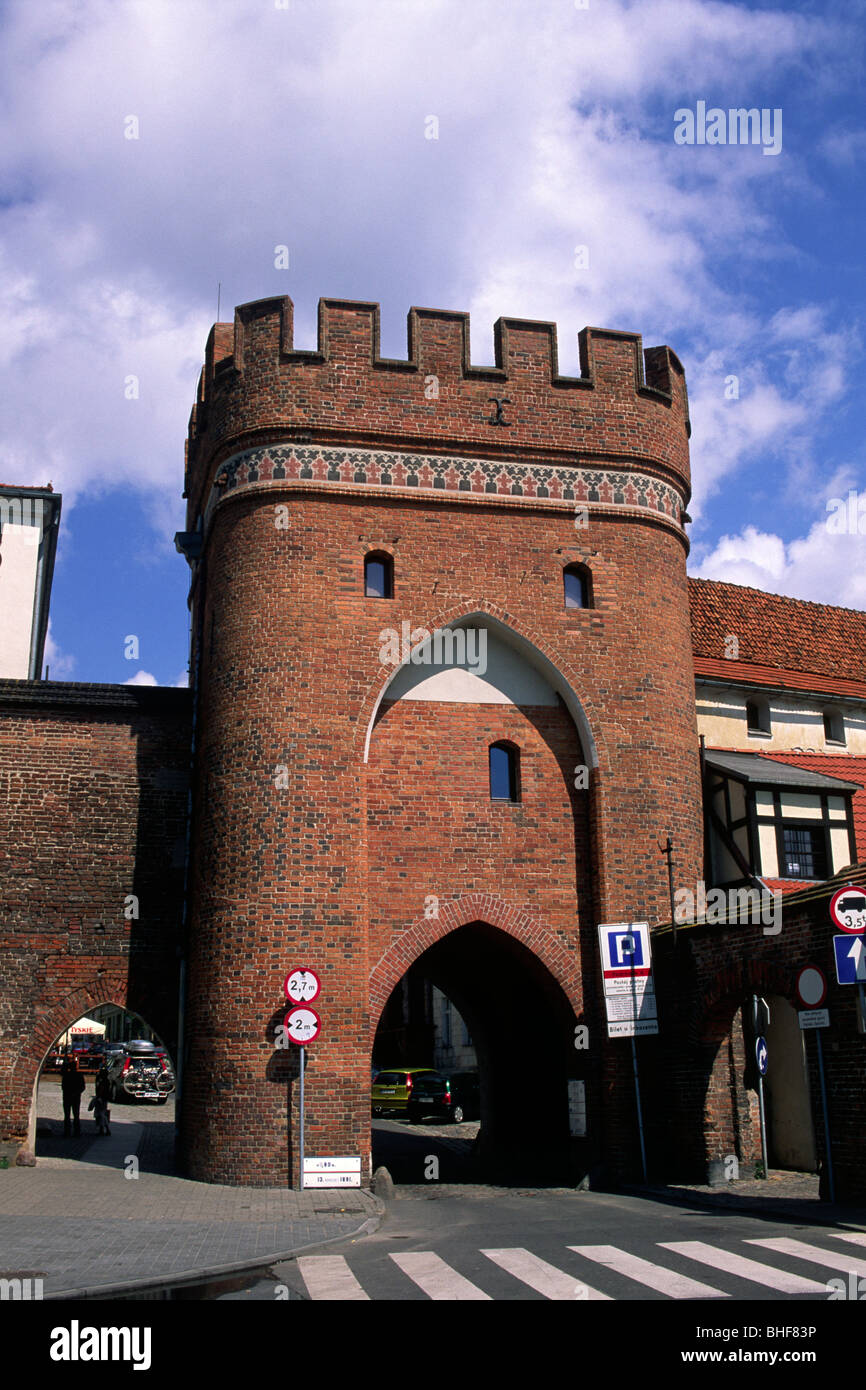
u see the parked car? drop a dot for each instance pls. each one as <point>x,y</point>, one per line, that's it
<point>466,1095</point>
<point>414,1092</point>
<point>142,1071</point>
<point>79,1046</point>
<point>100,1054</point>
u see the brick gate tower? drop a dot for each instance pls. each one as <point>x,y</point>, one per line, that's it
<point>342,508</point>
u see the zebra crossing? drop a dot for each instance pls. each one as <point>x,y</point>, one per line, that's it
<point>330,1277</point>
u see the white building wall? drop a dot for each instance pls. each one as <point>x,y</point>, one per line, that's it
<point>19,558</point>
<point>797,724</point>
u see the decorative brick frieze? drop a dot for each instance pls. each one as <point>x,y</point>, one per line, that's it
<point>602,489</point>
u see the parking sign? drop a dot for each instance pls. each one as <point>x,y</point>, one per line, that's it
<point>625,951</point>
<point>626,968</point>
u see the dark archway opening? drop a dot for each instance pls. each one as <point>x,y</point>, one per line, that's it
<point>521,1027</point>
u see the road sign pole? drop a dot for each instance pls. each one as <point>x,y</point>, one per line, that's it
<point>763,1125</point>
<point>634,1066</point>
<point>759,1022</point>
<point>303,1025</point>
<point>639,1111</point>
<point>303,1059</point>
<point>830,1186</point>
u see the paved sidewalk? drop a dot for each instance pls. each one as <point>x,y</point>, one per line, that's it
<point>83,1226</point>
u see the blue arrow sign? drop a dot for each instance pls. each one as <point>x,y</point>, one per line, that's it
<point>850,959</point>
<point>761,1055</point>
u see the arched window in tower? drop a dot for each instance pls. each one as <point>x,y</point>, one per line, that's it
<point>378,575</point>
<point>576,586</point>
<point>504,772</point>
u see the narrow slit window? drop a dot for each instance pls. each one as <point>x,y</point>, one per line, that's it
<point>575,582</point>
<point>504,782</point>
<point>378,576</point>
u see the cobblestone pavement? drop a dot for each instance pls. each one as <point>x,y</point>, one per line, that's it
<point>78,1221</point>
<point>147,1130</point>
<point>795,1186</point>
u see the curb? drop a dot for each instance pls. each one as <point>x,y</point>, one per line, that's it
<point>208,1272</point>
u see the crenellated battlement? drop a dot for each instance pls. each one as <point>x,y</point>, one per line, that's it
<point>628,406</point>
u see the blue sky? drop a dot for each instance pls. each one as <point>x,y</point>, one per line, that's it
<point>302,123</point>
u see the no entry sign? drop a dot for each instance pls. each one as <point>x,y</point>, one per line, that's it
<point>811,987</point>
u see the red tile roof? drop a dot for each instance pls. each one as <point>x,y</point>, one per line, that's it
<point>777,678</point>
<point>776,635</point>
<point>850,769</point>
<point>789,885</point>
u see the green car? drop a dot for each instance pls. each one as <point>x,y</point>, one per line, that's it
<point>414,1092</point>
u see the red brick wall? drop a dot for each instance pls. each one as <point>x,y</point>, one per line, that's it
<point>433,829</point>
<point>627,404</point>
<point>291,677</point>
<point>301,846</point>
<point>701,1060</point>
<point>93,796</point>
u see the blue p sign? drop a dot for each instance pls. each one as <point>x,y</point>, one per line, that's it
<point>626,949</point>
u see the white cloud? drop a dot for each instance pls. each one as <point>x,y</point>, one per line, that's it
<point>844,146</point>
<point>61,664</point>
<point>305,126</point>
<point>821,566</point>
<point>788,374</point>
<point>142,678</point>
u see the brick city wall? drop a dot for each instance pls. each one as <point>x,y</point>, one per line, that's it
<point>326,814</point>
<point>700,1069</point>
<point>93,798</point>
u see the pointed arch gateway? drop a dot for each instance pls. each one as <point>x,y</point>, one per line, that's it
<point>519,992</point>
<point>109,988</point>
<point>26,1068</point>
<point>563,965</point>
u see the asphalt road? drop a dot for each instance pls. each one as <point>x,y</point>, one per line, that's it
<point>446,1236</point>
<point>480,1243</point>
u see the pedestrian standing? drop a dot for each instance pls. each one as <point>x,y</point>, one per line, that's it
<point>72,1086</point>
<point>99,1104</point>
